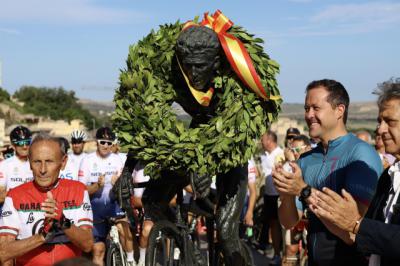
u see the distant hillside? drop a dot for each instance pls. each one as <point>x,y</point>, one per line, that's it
<point>361,114</point>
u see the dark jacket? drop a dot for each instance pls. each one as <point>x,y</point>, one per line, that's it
<point>376,237</point>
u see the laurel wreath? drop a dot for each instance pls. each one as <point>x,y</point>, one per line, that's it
<point>147,125</point>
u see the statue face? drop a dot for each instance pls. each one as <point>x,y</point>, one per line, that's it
<point>199,68</point>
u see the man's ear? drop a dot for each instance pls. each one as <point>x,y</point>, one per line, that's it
<point>341,108</point>
<point>64,161</point>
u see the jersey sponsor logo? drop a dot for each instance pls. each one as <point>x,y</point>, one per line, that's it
<point>16,179</point>
<point>31,218</point>
<point>70,204</point>
<point>105,173</point>
<point>36,227</point>
<point>33,206</point>
<point>5,214</point>
<point>87,206</point>
<point>67,176</point>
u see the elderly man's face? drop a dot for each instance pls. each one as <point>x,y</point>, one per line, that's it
<point>389,126</point>
<point>199,68</point>
<point>46,161</point>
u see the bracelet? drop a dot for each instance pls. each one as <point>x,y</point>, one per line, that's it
<point>357,223</point>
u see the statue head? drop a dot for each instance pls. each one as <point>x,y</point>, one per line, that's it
<point>198,50</point>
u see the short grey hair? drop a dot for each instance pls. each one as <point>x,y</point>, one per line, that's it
<point>46,137</point>
<point>387,91</point>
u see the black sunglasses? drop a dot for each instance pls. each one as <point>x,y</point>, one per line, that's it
<point>76,141</point>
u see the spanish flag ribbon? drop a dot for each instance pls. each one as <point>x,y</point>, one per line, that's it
<point>235,51</point>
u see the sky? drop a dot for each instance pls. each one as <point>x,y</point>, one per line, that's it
<point>82,45</point>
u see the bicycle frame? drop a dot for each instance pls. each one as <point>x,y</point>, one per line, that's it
<point>114,238</point>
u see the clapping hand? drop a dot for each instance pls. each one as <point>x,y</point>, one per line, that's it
<point>288,183</point>
<point>340,211</point>
<point>49,206</point>
<point>101,180</point>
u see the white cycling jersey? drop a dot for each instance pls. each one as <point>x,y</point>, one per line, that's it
<point>139,177</point>
<point>93,166</point>
<point>252,172</point>
<point>71,169</point>
<point>14,172</point>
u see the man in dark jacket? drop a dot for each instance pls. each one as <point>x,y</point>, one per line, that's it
<point>378,232</point>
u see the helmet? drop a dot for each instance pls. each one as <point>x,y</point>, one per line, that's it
<point>105,133</point>
<point>78,135</point>
<point>20,133</point>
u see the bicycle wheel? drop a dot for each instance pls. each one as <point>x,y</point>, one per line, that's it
<point>160,249</point>
<point>169,246</point>
<point>114,256</point>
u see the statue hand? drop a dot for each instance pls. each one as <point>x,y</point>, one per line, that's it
<point>123,187</point>
<point>201,185</point>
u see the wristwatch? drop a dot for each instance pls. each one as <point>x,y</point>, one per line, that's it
<point>65,223</point>
<point>305,194</point>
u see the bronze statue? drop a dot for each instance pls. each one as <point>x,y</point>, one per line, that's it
<point>198,59</point>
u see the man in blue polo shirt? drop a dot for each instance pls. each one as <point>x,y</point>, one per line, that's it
<point>339,161</point>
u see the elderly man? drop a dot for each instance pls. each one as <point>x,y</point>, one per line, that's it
<point>50,217</point>
<point>378,233</point>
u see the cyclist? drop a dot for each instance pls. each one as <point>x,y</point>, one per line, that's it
<point>78,139</point>
<point>50,217</point>
<point>139,177</point>
<point>15,170</point>
<point>99,171</point>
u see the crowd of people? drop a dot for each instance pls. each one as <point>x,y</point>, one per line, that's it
<point>55,204</point>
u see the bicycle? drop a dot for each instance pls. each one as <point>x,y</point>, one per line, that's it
<point>115,255</point>
<point>173,244</point>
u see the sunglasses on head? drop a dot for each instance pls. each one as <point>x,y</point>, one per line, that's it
<point>297,149</point>
<point>290,137</point>
<point>21,143</point>
<point>105,142</point>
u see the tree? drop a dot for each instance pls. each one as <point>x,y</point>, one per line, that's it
<point>4,95</point>
<point>56,103</point>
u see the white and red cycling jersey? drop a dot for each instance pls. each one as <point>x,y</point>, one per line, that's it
<point>22,217</point>
<point>14,172</point>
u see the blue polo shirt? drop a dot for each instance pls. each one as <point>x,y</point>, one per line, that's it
<point>348,163</point>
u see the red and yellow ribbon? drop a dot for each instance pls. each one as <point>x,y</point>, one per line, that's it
<point>235,51</point>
